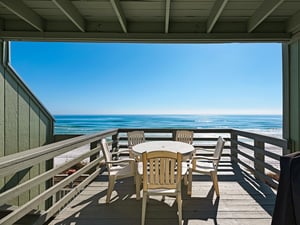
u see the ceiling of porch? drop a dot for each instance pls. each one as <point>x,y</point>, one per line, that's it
<point>190,21</point>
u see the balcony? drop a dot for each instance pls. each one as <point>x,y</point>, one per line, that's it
<point>247,181</point>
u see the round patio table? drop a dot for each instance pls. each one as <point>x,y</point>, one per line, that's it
<point>174,146</point>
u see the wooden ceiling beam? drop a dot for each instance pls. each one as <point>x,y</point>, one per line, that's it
<point>167,16</point>
<point>71,12</point>
<point>146,37</point>
<point>18,8</point>
<point>120,14</point>
<point>264,10</point>
<point>215,13</point>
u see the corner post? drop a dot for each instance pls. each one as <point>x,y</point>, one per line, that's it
<point>259,158</point>
<point>234,155</point>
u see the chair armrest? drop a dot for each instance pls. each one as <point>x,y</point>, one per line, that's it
<point>121,161</point>
<point>204,150</point>
<point>121,151</point>
<point>205,157</point>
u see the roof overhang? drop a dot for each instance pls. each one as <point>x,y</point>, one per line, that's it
<point>151,21</point>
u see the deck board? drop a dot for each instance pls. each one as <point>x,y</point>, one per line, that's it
<point>244,201</point>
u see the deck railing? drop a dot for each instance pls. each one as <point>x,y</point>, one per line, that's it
<point>12,164</point>
<point>257,153</point>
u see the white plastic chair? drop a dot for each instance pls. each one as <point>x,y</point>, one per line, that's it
<point>207,165</point>
<point>117,169</point>
<point>160,177</point>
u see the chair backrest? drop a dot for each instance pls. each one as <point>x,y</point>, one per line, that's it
<point>135,137</point>
<point>162,170</point>
<point>218,149</point>
<point>184,136</point>
<point>106,153</point>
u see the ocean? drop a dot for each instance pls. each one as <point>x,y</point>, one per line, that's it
<point>270,125</point>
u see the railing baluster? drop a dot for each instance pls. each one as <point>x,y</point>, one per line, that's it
<point>94,145</point>
<point>233,145</point>
<point>239,146</point>
<point>259,157</point>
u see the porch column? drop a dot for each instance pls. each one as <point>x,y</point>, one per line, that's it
<point>291,94</point>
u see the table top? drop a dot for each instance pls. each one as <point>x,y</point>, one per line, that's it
<point>174,146</point>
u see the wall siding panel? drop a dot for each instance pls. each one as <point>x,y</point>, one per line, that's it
<point>11,128</point>
<point>23,115</point>
<point>1,115</point>
<point>1,123</point>
<point>34,142</point>
<point>24,124</point>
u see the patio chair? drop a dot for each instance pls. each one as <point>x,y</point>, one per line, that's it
<point>117,169</point>
<point>160,177</point>
<point>135,137</point>
<point>207,165</point>
<point>185,136</point>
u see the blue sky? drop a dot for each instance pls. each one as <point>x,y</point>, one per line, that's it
<point>114,78</point>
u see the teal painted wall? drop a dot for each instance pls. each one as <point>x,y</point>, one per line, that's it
<point>24,124</point>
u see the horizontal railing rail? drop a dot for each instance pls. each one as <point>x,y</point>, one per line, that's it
<point>257,153</point>
<point>12,164</point>
<point>260,154</point>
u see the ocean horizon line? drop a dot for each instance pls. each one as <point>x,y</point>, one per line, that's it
<point>168,114</point>
<point>93,123</point>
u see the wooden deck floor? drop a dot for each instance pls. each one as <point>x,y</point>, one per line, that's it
<point>243,201</point>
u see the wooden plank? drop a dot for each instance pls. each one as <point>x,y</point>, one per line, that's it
<point>25,13</point>
<point>43,141</point>
<point>241,202</point>
<point>26,208</point>
<point>264,10</point>
<point>215,14</point>
<point>43,177</point>
<point>2,134</point>
<point>11,116</point>
<point>11,128</point>
<point>259,157</point>
<point>181,35</point>
<point>71,12</point>
<point>34,129</point>
<point>28,158</point>
<point>120,14</point>
<point>23,130</point>
<point>263,138</point>
<point>291,81</point>
<point>2,107</point>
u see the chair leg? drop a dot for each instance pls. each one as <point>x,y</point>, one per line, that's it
<point>185,179</point>
<point>190,176</point>
<point>145,197</point>
<point>110,188</point>
<point>138,186</point>
<point>214,178</point>
<point>179,204</point>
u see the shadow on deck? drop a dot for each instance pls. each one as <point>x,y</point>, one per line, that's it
<point>244,200</point>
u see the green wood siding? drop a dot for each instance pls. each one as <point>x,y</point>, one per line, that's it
<point>1,121</point>
<point>24,124</point>
<point>11,128</point>
<point>34,142</point>
<point>23,115</point>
